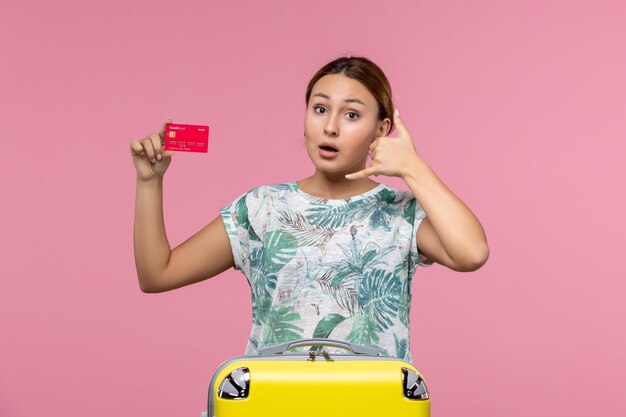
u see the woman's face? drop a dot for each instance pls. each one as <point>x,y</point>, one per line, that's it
<point>341,122</point>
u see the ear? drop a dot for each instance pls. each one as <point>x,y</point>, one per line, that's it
<point>384,126</point>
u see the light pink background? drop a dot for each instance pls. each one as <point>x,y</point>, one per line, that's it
<point>519,106</point>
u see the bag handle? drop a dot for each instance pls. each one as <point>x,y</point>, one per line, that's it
<point>283,347</point>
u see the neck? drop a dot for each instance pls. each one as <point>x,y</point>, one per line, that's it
<point>329,186</point>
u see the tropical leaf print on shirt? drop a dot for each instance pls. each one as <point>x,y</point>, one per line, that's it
<point>303,231</point>
<point>327,325</point>
<point>383,214</point>
<point>275,187</point>
<point>379,294</point>
<point>278,249</point>
<point>402,346</point>
<point>343,292</point>
<point>357,258</point>
<point>380,215</point>
<point>279,327</point>
<point>363,331</point>
<point>405,295</point>
<point>343,276</point>
<point>336,217</point>
<point>326,268</point>
<point>241,214</point>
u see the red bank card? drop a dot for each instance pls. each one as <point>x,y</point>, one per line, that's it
<point>186,138</point>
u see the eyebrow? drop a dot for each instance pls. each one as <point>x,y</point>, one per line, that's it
<point>348,100</point>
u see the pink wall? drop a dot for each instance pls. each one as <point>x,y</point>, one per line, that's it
<point>519,106</point>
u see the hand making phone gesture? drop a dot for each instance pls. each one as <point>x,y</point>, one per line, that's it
<point>391,156</point>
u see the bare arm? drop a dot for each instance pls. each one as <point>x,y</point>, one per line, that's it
<point>451,234</point>
<point>202,256</point>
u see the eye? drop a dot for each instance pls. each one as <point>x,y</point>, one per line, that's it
<point>352,115</point>
<point>319,109</point>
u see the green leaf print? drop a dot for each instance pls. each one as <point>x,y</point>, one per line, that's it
<point>241,211</point>
<point>379,296</point>
<point>261,306</point>
<point>378,220</point>
<point>327,325</point>
<point>357,259</point>
<point>363,331</point>
<point>409,211</point>
<point>306,234</point>
<point>256,256</point>
<point>336,217</point>
<point>254,343</point>
<point>279,248</point>
<point>382,213</point>
<point>404,308</point>
<point>241,214</point>
<point>380,217</point>
<point>278,326</point>
<point>401,346</point>
<point>387,196</point>
<point>369,255</point>
<point>407,267</point>
<point>262,284</point>
<point>405,295</point>
<point>346,273</point>
<point>341,276</point>
<point>343,292</point>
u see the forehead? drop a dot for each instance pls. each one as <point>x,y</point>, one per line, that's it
<point>339,87</point>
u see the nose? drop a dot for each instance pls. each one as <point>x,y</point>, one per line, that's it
<point>331,128</point>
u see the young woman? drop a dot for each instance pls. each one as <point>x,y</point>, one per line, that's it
<point>331,255</point>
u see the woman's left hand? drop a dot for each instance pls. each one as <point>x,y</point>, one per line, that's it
<point>390,156</point>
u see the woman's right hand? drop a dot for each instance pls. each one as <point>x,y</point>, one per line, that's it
<point>149,156</point>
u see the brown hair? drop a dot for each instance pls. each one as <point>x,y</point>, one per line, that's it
<point>367,73</point>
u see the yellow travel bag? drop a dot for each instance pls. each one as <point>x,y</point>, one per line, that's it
<point>317,383</point>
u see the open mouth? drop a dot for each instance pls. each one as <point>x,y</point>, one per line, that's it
<point>328,148</point>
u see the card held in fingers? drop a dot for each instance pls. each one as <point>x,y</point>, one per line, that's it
<point>186,138</point>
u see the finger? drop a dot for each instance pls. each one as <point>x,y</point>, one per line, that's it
<point>374,143</point>
<point>361,174</point>
<point>162,132</point>
<point>136,148</point>
<point>157,145</point>
<point>399,124</point>
<point>149,148</point>
<point>168,154</point>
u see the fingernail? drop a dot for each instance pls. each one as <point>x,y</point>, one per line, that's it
<point>348,176</point>
<point>153,161</point>
<point>159,157</point>
<point>397,112</point>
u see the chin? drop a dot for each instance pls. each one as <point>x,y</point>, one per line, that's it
<point>334,169</point>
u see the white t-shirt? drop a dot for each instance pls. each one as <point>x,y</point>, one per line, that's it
<point>331,268</point>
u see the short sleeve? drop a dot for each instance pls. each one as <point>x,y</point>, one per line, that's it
<point>239,229</point>
<point>418,216</point>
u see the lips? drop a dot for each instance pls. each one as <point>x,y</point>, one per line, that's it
<point>328,150</point>
<point>328,146</point>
